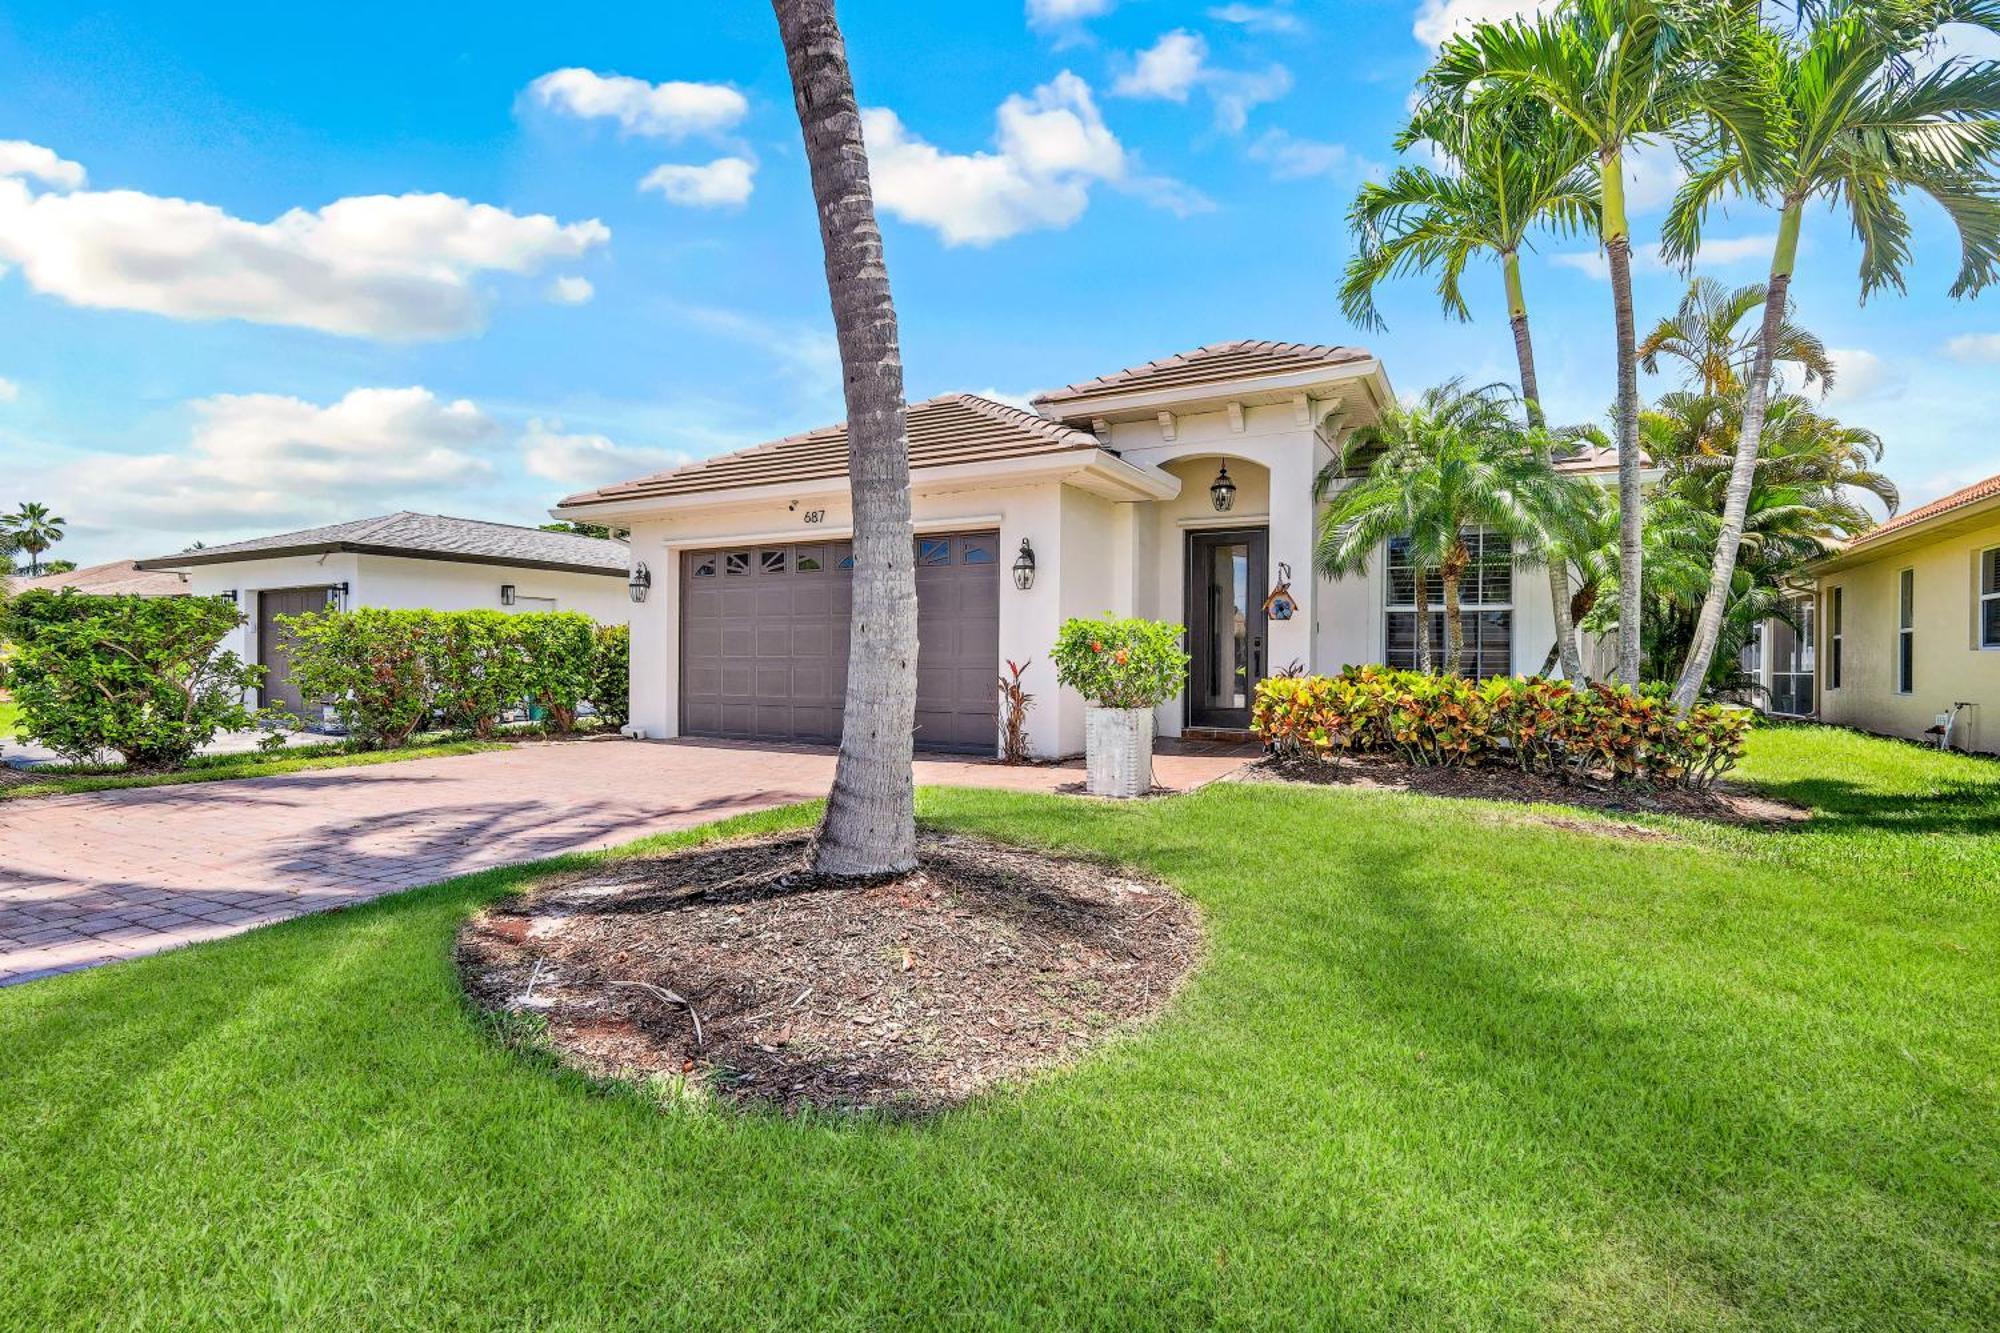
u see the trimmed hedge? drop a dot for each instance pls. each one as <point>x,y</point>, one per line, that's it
<point>1537,725</point>
<point>389,673</point>
<point>142,677</point>
<point>1120,663</point>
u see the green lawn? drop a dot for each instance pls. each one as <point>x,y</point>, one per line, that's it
<point>1445,1067</point>
<point>10,713</point>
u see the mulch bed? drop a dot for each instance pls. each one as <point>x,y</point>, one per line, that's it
<point>986,963</point>
<point>1720,804</point>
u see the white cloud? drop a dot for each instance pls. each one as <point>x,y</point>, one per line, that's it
<point>1653,172</point>
<point>1258,18</point>
<point>380,266</point>
<point>1975,347</point>
<point>723,183</point>
<point>1053,147</point>
<point>809,357</point>
<point>21,158</point>
<point>255,460</point>
<point>1237,92</point>
<point>1859,373</point>
<point>1056,13</point>
<point>571,291</point>
<point>1722,251</point>
<point>1292,158</point>
<point>1168,69</point>
<point>663,110</point>
<point>9,391</point>
<point>1023,400</point>
<point>1177,63</point>
<point>1440,19</point>
<point>579,462</point>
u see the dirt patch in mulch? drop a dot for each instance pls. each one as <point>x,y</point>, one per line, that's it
<point>1720,804</point>
<point>985,964</point>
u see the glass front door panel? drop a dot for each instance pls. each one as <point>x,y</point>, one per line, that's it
<point>1229,626</point>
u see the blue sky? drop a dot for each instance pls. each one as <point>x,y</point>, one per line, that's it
<point>268,266</point>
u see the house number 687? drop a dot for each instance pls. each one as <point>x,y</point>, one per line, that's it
<point>815,516</point>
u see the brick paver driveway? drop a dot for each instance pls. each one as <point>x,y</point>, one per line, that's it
<point>89,879</point>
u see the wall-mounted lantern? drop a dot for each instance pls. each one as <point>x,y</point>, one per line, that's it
<point>1223,492</point>
<point>1024,567</point>
<point>640,582</point>
<point>336,597</point>
<point>228,595</point>
<point>507,594</point>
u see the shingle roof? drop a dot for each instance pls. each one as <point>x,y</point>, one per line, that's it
<point>1214,364</point>
<point>955,428</point>
<point>116,578</point>
<point>424,536</point>
<point>1944,504</point>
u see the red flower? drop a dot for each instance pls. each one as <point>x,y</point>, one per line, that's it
<point>1119,657</point>
<point>1096,647</point>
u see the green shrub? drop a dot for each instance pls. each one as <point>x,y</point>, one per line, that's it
<point>1116,663</point>
<point>373,665</point>
<point>477,667</point>
<point>611,674</point>
<point>559,651</point>
<point>1536,725</point>
<point>143,677</point>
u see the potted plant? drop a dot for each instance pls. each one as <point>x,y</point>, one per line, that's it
<point>1124,669</point>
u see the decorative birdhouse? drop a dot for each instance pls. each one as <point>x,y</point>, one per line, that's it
<point>1281,604</point>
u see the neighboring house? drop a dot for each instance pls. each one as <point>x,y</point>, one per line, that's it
<point>117,578</point>
<point>1908,619</point>
<point>1114,491</point>
<point>400,561</point>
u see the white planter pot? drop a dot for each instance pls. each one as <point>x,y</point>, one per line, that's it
<point>1118,751</point>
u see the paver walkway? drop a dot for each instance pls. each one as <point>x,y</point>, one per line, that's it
<point>93,878</point>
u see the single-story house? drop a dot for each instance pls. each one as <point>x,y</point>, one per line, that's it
<point>1181,490</point>
<point>401,561</point>
<point>1908,624</point>
<point>114,578</point>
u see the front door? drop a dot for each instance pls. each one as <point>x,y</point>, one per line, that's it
<point>274,647</point>
<point>1225,616</point>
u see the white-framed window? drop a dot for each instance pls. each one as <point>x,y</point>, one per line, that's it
<point>1989,597</point>
<point>1485,607</point>
<point>1906,631</point>
<point>1834,607</point>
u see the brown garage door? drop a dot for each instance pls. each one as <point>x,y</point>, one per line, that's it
<point>278,690</point>
<point>764,640</point>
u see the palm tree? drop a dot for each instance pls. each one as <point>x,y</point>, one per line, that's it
<point>1853,121</point>
<point>869,828</point>
<point>1453,460</point>
<point>1705,335</point>
<point>1509,166</point>
<point>1622,72</point>
<point>32,528</point>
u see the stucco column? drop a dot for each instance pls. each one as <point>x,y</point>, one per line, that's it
<point>1291,540</point>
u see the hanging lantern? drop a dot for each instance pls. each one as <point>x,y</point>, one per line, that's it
<point>640,582</point>
<point>1024,567</point>
<point>507,594</point>
<point>1223,492</point>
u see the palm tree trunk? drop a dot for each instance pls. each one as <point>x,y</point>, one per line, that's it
<point>1531,394</point>
<point>1423,578</point>
<point>1743,470</point>
<point>1618,251</point>
<point>870,825</point>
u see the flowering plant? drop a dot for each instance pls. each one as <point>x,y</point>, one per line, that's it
<point>1119,663</point>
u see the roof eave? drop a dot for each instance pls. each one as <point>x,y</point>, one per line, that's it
<point>1108,403</point>
<point>1938,526</point>
<point>189,560</point>
<point>1091,468</point>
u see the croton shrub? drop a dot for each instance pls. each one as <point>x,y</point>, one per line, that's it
<point>145,678</point>
<point>1527,722</point>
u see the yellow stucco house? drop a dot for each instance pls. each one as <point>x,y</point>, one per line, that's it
<point>1908,620</point>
